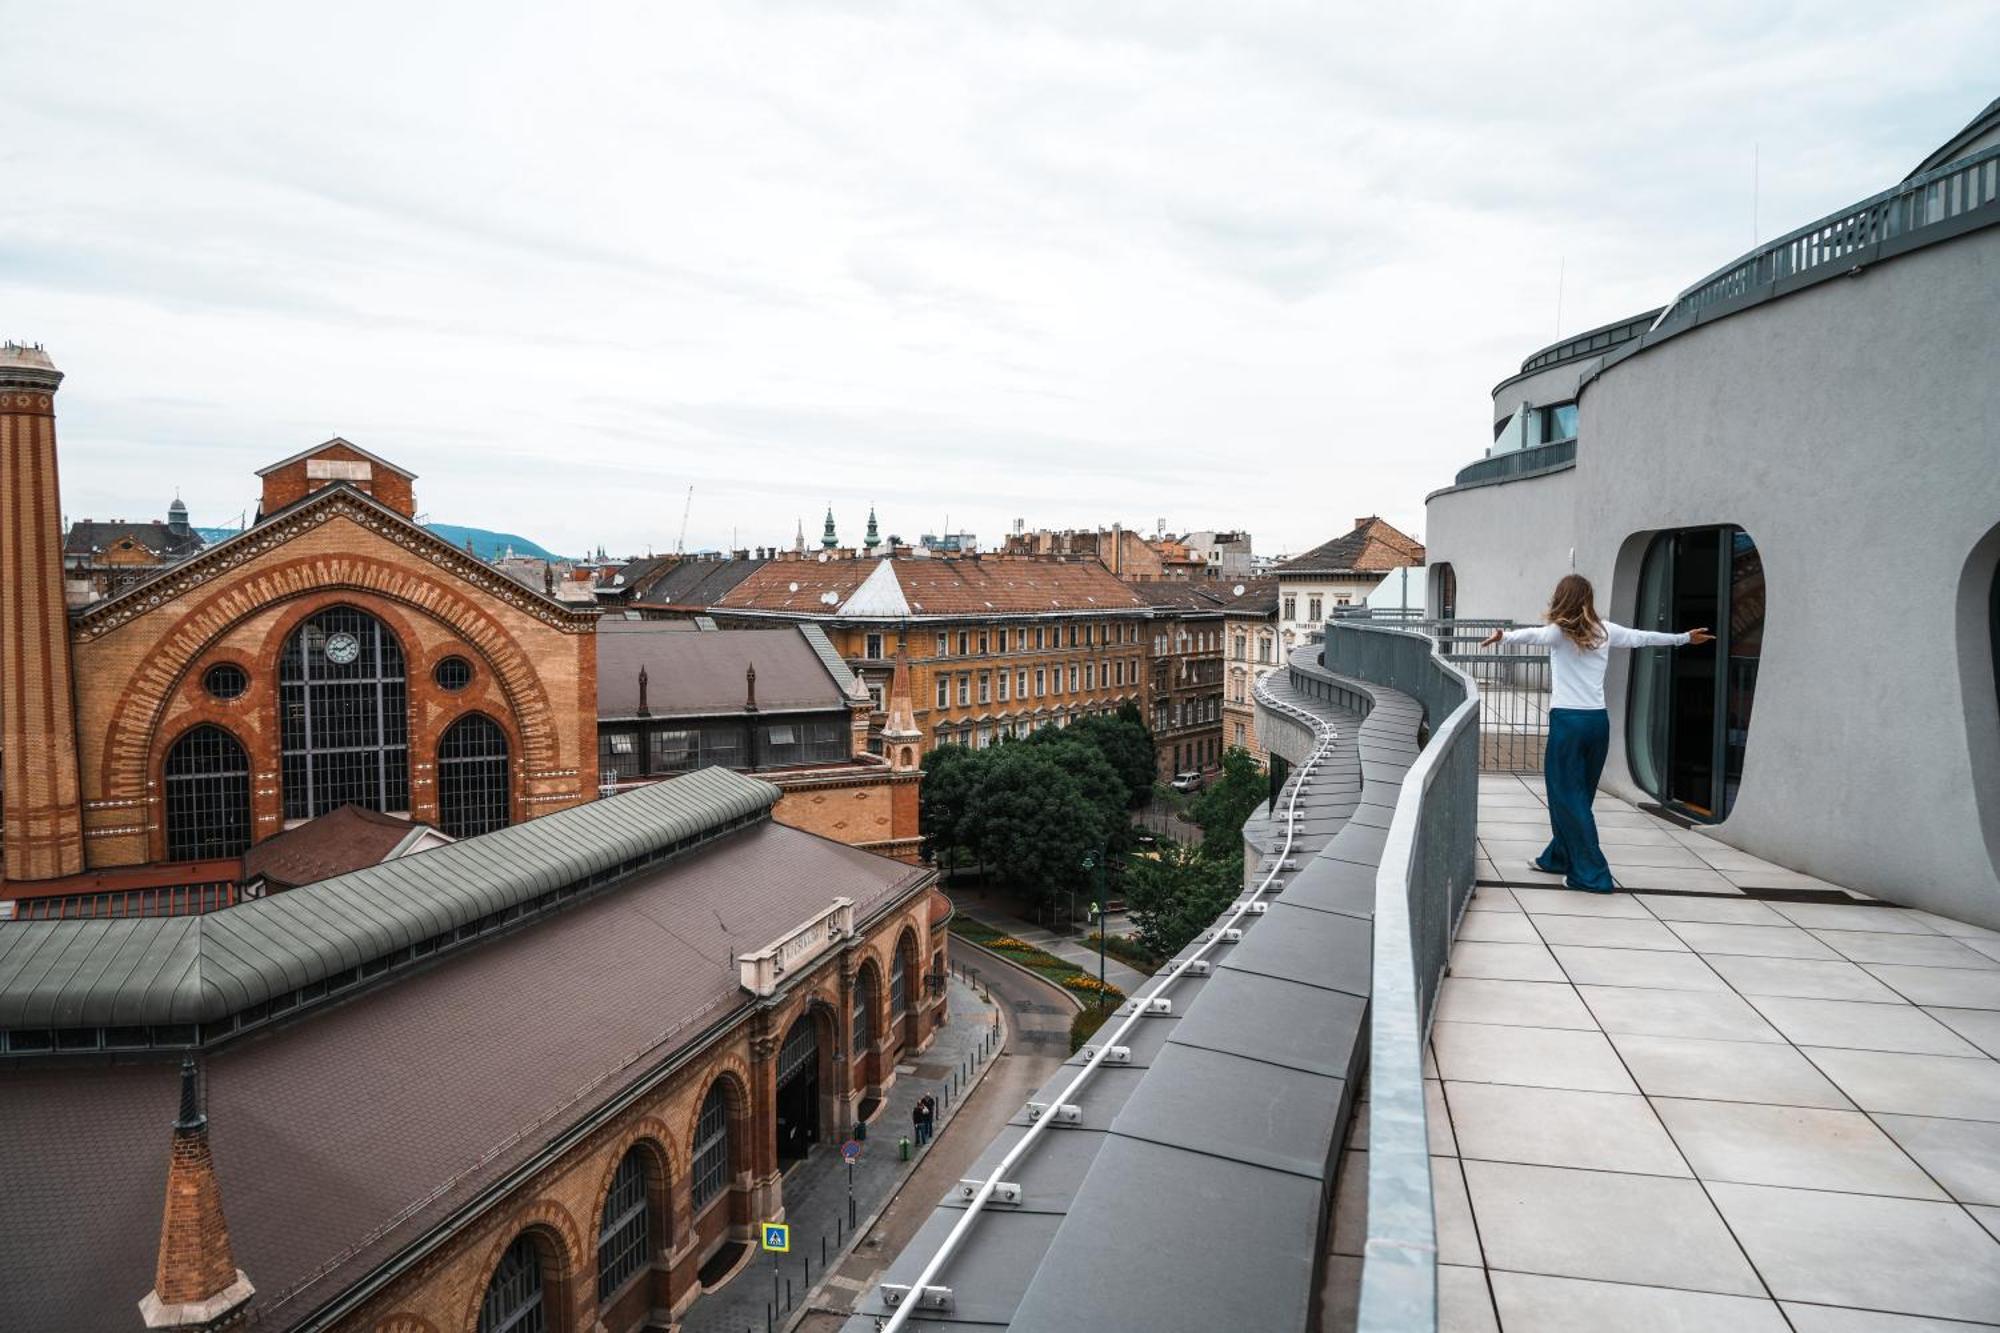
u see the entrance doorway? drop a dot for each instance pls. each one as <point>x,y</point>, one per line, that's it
<point>1689,722</point>
<point>798,1091</point>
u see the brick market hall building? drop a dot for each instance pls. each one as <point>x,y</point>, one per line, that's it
<point>546,1076</point>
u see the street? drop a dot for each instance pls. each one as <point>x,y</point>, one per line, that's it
<point>1038,1017</point>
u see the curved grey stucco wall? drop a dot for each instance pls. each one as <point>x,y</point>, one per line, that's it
<point>1853,429</point>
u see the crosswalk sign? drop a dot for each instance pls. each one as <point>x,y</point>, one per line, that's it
<point>777,1237</point>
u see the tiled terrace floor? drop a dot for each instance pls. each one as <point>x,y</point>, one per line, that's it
<point>1684,1108</point>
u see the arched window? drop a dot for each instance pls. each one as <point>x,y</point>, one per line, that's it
<point>625,1231</point>
<point>899,987</point>
<point>711,1147</point>
<point>472,777</point>
<point>208,796</point>
<point>1447,591</point>
<point>865,988</point>
<point>343,704</point>
<point>513,1301</point>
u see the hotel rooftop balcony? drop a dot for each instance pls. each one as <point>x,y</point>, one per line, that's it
<point>1406,1084</point>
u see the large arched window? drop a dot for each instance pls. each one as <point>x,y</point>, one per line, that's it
<point>711,1147</point>
<point>625,1231</point>
<point>899,983</point>
<point>472,777</point>
<point>208,796</point>
<point>1688,717</point>
<point>865,998</point>
<point>344,710</point>
<point>513,1301</point>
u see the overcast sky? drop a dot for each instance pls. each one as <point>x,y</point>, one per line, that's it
<point>1225,264</point>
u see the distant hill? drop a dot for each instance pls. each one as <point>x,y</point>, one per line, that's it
<point>488,545</point>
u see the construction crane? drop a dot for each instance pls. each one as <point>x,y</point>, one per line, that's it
<point>680,542</point>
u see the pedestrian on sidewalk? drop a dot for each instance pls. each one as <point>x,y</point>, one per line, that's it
<point>1579,643</point>
<point>927,1121</point>
<point>917,1122</point>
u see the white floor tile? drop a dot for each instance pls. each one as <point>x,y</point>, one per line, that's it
<point>1504,962</point>
<point>1950,987</point>
<point>1710,937</point>
<point>1651,1230</point>
<point>1530,1057</point>
<point>1539,1004</point>
<point>1872,946</point>
<point>1607,932</point>
<point>1930,1085</point>
<point>1677,1013</point>
<point>1542,1304</point>
<point>1827,916</point>
<point>1598,1131</point>
<point>1860,1026</point>
<point>1900,1255</point>
<point>1736,1071</point>
<point>1962,1155</point>
<point>1807,978</point>
<point>1795,1146</point>
<point>1654,969</point>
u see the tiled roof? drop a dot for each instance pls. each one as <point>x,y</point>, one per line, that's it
<point>933,586</point>
<point>1217,595</point>
<point>1373,545</point>
<point>335,843</point>
<point>345,1135</point>
<point>336,442</point>
<point>684,582</point>
<point>696,674</point>
<point>87,536</point>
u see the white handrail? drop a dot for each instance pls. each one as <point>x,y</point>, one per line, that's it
<point>1324,736</point>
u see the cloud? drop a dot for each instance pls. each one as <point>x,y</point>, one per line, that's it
<point>1255,265</point>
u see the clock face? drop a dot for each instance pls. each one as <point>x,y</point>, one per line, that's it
<point>342,649</point>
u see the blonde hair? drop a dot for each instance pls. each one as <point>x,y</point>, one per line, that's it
<point>1573,610</point>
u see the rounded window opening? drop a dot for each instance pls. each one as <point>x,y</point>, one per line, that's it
<point>226,680</point>
<point>1688,721</point>
<point>453,674</point>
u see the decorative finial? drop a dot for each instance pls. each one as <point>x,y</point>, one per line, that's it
<point>643,710</point>
<point>750,686</point>
<point>827,538</point>
<point>191,1119</point>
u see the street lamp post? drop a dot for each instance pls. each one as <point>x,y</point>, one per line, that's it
<point>1093,862</point>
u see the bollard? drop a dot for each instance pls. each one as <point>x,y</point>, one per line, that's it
<point>788,1295</point>
<point>822,1251</point>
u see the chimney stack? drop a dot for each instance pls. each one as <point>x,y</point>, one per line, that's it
<point>41,803</point>
<point>197,1284</point>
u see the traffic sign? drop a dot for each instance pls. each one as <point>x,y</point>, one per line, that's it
<point>777,1237</point>
<point>851,1151</point>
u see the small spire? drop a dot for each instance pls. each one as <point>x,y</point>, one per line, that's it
<point>191,1117</point>
<point>750,687</point>
<point>643,710</point>
<point>827,538</point>
<point>874,538</point>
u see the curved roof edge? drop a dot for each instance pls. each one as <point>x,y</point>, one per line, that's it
<point>1955,147</point>
<point>133,971</point>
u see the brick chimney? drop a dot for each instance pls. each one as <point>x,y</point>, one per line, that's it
<point>197,1284</point>
<point>43,806</point>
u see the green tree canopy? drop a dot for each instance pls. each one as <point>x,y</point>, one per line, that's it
<point>944,800</point>
<point>1232,798</point>
<point>1178,895</point>
<point>1031,820</point>
<point>1127,744</point>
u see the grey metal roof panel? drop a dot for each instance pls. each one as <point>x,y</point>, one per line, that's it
<point>1314,948</point>
<point>1048,1176</point>
<point>166,970</point>
<point>987,1279</point>
<point>1282,1022</point>
<point>1114,1264</point>
<point>1327,885</point>
<point>1226,1105</point>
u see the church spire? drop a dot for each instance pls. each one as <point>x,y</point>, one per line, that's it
<point>826,538</point>
<point>874,535</point>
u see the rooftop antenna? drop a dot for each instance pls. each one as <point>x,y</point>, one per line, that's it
<point>1562,271</point>
<point>1756,166</point>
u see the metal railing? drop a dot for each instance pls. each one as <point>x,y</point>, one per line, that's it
<point>1513,682</point>
<point>1930,207</point>
<point>1421,886</point>
<point>1516,463</point>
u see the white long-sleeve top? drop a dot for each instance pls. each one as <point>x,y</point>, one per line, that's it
<point>1579,672</point>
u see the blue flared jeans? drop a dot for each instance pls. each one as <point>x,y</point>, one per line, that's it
<point>1579,738</point>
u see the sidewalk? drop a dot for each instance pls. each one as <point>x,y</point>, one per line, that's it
<point>816,1189</point>
<point>1065,947</point>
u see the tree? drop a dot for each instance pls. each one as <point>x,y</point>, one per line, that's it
<point>1127,744</point>
<point>944,800</point>
<point>1095,778</point>
<point>1030,820</point>
<point>1178,895</point>
<point>1230,800</point>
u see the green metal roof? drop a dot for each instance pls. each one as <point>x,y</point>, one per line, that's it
<point>201,969</point>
